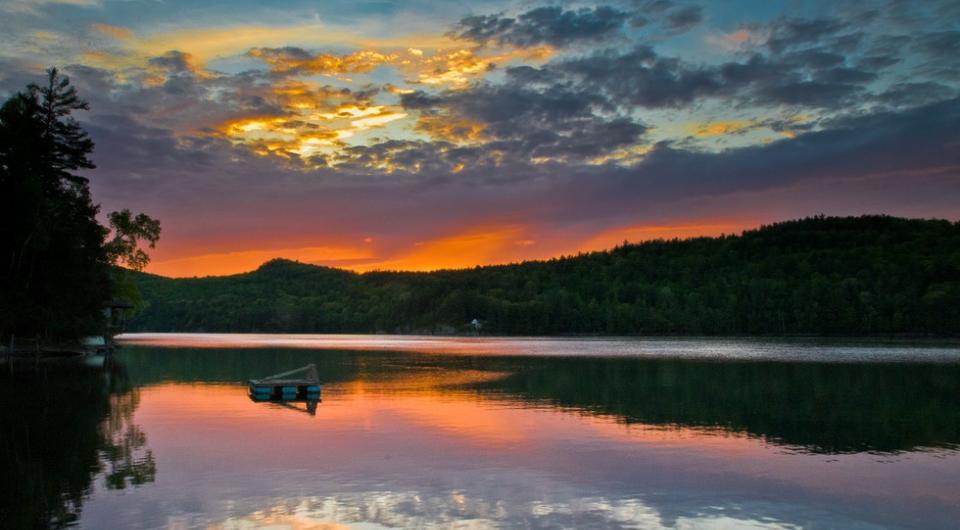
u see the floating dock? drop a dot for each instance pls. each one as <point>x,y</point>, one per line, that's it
<point>287,387</point>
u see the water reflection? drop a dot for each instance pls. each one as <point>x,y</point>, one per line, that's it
<point>411,439</point>
<point>60,430</point>
<point>811,406</point>
<point>816,407</point>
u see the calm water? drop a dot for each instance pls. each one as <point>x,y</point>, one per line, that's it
<point>480,433</point>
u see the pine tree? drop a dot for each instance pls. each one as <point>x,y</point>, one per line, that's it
<point>55,265</point>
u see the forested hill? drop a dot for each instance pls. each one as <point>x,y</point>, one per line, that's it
<point>867,275</point>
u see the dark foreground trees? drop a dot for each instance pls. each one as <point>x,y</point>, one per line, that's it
<point>57,269</point>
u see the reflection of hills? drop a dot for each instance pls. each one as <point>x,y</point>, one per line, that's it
<point>148,365</point>
<point>820,407</point>
<point>59,429</point>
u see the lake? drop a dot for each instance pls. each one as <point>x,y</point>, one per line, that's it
<point>482,433</point>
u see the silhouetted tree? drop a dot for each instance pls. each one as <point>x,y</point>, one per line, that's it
<point>55,263</point>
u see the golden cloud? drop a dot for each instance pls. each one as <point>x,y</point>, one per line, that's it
<point>719,128</point>
<point>294,60</point>
<point>315,120</point>
<point>450,129</point>
<point>456,68</point>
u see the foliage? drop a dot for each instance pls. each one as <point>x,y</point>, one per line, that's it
<point>823,275</point>
<point>128,231</point>
<point>55,263</point>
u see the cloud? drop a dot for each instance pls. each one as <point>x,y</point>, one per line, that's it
<point>533,125</point>
<point>176,62</point>
<point>791,33</point>
<point>639,77</point>
<point>292,60</point>
<point>551,25</point>
<point>32,7</point>
<point>684,19</point>
<point>719,128</point>
<point>212,42</point>
<point>115,32</point>
<point>915,94</point>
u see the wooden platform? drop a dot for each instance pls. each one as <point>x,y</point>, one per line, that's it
<point>285,391</point>
<point>283,387</point>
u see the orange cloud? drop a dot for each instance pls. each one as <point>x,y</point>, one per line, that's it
<point>738,40</point>
<point>719,128</point>
<point>223,263</point>
<point>284,60</point>
<point>450,129</point>
<point>457,68</point>
<point>315,120</point>
<point>468,249</point>
<point>635,234</point>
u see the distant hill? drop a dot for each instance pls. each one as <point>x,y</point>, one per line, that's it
<point>870,275</point>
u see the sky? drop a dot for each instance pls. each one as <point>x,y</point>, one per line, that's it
<point>427,134</point>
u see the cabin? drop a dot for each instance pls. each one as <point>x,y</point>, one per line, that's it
<point>116,312</point>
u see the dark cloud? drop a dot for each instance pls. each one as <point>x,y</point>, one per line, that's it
<point>638,77</point>
<point>889,44</point>
<point>652,6</point>
<point>815,58</point>
<point>878,62</point>
<point>848,43</point>
<point>175,62</point>
<point>915,94</point>
<point>940,44</point>
<point>886,143</point>
<point>543,25</point>
<point>684,19</point>
<point>807,93</point>
<point>790,33</point>
<point>524,122</point>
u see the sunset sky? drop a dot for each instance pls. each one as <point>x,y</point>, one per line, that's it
<point>429,134</point>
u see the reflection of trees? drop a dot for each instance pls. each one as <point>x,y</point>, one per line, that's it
<point>150,365</point>
<point>820,407</point>
<point>124,454</point>
<point>823,407</point>
<point>58,431</point>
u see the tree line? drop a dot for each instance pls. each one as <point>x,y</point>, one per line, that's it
<point>59,266</point>
<point>868,275</point>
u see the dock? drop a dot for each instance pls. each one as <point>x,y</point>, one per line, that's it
<point>301,384</point>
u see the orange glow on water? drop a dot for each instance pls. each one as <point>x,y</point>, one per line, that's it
<point>205,419</point>
<point>426,405</point>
